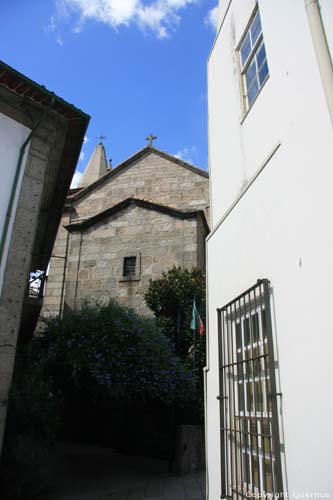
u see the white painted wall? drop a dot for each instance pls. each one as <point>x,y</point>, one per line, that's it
<point>12,136</point>
<point>327,17</point>
<point>281,229</point>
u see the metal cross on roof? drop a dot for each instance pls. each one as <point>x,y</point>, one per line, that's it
<point>151,138</point>
<point>101,137</point>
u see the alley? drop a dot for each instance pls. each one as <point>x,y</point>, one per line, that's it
<point>79,472</point>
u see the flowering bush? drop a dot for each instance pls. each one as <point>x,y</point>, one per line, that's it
<point>110,351</point>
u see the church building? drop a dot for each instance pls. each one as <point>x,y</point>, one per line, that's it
<point>124,226</point>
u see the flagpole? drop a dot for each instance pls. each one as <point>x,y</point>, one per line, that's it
<point>194,348</point>
<point>178,331</point>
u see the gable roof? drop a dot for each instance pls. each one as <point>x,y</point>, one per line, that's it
<point>148,205</point>
<point>122,166</point>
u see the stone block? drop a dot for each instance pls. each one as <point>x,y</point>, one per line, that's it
<point>88,263</point>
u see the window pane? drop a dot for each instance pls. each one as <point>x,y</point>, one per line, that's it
<point>255,468</point>
<point>238,336</point>
<point>253,91</point>
<point>256,367</point>
<point>245,49</point>
<point>250,74</point>
<point>268,392</point>
<point>261,54</point>
<point>259,395</point>
<point>246,326</point>
<point>249,396</point>
<point>254,436</point>
<point>269,479</point>
<point>263,72</point>
<point>263,324</point>
<point>246,468</point>
<point>267,434</point>
<point>240,367</point>
<point>255,327</point>
<point>255,28</point>
<point>241,397</point>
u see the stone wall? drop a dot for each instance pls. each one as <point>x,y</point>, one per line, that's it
<point>46,142</point>
<point>55,284</point>
<point>201,244</point>
<point>152,178</point>
<point>95,258</point>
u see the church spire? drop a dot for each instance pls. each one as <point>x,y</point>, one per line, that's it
<point>97,166</point>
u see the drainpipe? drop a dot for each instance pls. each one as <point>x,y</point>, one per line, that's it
<point>322,51</point>
<point>17,176</point>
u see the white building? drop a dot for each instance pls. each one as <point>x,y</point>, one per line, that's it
<point>270,343</point>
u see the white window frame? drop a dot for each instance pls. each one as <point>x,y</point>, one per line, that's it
<point>245,415</point>
<point>252,58</point>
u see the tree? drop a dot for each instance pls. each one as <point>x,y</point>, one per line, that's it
<point>171,299</point>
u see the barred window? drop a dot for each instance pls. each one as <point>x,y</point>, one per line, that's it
<point>129,267</point>
<point>253,61</point>
<point>250,441</point>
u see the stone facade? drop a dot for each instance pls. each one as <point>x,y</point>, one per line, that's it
<point>150,175</point>
<point>52,153</point>
<point>152,207</point>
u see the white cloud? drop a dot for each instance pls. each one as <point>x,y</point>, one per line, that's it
<point>212,18</point>
<point>85,139</point>
<point>82,155</point>
<point>158,16</point>
<point>76,179</point>
<point>187,154</point>
<point>51,26</point>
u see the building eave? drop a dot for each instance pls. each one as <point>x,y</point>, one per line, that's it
<point>36,98</point>
<point>16,82</point>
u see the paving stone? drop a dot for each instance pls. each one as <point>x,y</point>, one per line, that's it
<point>174,490</point>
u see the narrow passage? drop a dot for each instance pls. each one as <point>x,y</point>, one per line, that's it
<point>81,472</point>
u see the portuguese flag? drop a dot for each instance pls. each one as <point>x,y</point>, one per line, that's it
<point>196,322</point>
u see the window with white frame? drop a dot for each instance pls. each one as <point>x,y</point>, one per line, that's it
<point>253,61</point>
<point>250,437</point>
<point>252,403</point>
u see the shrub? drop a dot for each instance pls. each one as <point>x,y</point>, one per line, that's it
<point>108,350</point>
<point>33,423</point>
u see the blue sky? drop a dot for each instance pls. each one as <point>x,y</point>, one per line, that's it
<point>135,66</point>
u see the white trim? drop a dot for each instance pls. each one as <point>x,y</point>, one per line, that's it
<point>243,191</point>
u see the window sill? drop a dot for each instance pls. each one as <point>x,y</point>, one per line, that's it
<point>129,278</point>
<point>254,100</point>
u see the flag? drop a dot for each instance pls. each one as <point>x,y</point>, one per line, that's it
<point>196,321</point>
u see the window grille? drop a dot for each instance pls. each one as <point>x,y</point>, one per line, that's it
<point>250,441</point>
<point>129,268</point>
<point>253,60</point>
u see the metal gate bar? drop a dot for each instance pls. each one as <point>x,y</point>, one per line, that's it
<point>250,440</point>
